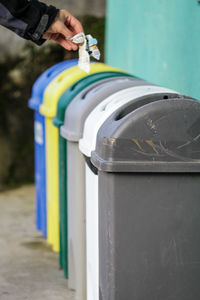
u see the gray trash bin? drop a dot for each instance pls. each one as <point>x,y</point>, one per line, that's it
<point>75,115</point>
<point>148,161</point>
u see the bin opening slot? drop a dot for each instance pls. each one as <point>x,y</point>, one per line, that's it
<point>105,85</point>
<point>94,90</point>
<point>140,102</point>
<point>50,73</point>
<point>77,83</point>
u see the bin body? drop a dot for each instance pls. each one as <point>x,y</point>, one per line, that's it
<point>92,93</point>
<point>39,137</point>
<point>48,109</point>
<point>40,172</point>
<point>87,144</point>
<point>149,186</point>
<point>58,120</point>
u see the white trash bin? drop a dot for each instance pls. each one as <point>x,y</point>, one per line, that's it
<point>87,144</point>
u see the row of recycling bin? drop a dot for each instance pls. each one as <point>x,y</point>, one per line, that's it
<point>117,165</point>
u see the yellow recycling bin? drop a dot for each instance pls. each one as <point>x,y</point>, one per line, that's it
<point>49,107</point>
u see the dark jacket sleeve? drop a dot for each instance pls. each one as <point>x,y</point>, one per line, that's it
<point>27,18</point>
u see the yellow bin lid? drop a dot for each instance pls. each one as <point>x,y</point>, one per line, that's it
<point>63,81</point>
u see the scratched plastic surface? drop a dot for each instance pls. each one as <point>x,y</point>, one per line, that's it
<point>148,163</point>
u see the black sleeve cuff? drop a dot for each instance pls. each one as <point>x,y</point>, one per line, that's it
<point>42,18</point>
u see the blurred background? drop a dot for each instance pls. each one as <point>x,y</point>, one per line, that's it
<point>21,62</point>
<point>155,40</point>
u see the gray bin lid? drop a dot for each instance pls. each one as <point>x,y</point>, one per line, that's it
<point>78,110</point>
<point>161,136</point>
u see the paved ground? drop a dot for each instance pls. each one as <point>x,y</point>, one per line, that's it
<point>28,268</point>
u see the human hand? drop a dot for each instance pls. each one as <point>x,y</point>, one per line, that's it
<point>65,25</point>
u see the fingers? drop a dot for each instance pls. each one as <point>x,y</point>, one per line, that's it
<point>68,45</point>
<point>70,22</point>
<point>69,31</point>
<point>61,28</point>
<point>73,46</point>
<point>57,37</point>
<point>73,25</point>
<point>64,26</point>
<point>47,36</point>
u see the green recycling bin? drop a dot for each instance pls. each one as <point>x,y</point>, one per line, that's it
<point>58,121</point>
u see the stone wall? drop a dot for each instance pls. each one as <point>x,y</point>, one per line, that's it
<point>11,44</point>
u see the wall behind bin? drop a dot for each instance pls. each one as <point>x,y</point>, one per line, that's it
<point>157,40</point>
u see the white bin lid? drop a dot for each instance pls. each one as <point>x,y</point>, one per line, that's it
<point>102,111</point>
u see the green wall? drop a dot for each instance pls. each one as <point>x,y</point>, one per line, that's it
<point>157,40</point>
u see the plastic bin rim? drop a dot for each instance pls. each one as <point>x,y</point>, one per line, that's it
<point>49,109</point>
<point>145,166</point>
<point>57,121</point>
<point>34,103</point>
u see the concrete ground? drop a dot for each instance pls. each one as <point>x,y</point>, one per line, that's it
<point>28,267</point>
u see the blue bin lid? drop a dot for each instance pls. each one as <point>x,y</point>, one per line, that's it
<point>45,78</point>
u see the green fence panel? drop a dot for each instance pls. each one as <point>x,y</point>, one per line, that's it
<point>156,40</point>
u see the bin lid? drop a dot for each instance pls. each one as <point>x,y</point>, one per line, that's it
<point>75,89</point>
<point>102,111</point>
<point>44,79</point>
<point>81,106</point>
<point>161,136</point>
<point>62,82</point>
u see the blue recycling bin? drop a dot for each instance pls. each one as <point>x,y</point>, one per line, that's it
<point>39,139</point>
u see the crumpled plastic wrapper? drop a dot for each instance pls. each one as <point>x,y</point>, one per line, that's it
<point>87,47</point>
